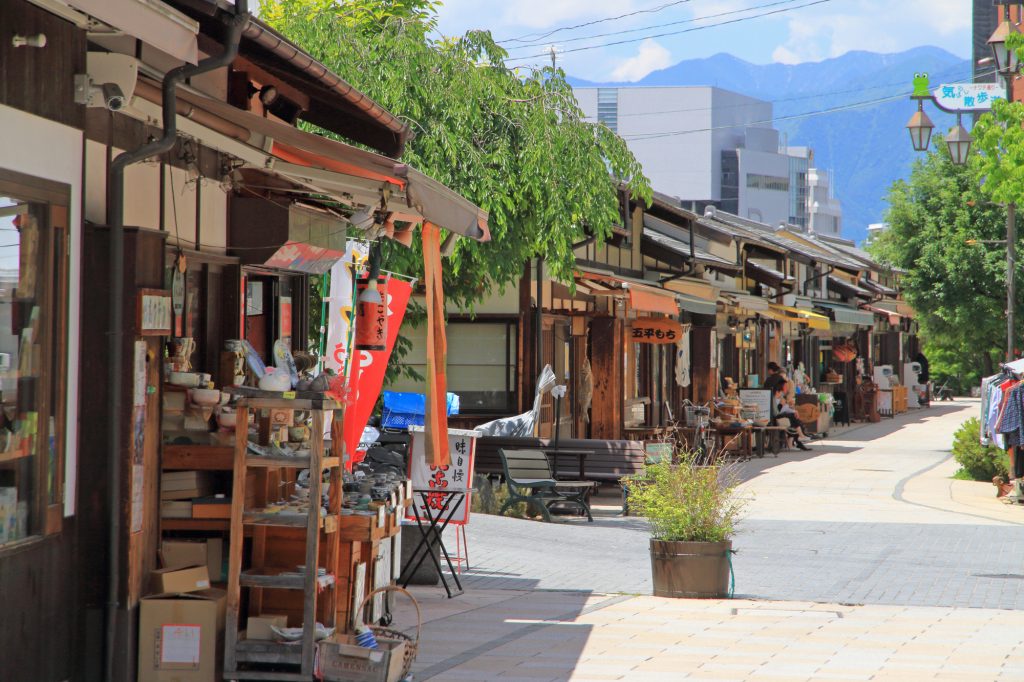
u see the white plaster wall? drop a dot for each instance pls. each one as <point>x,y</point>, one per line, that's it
<point>95,182</point>
<point>213,216</point>
<point>180,201</point>
<point>53,151</point>
<point>142,196</point>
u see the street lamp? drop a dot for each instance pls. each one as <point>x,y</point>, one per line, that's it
<point>920,127</point>
<point>959,142</point>
<point>1006,60</point>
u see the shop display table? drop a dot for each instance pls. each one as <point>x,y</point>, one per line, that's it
<point>734,439</point>
<point>768,438</point>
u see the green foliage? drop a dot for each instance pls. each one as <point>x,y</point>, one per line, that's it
<point>979,462</point>
<point>685,501</point>
<point>489,498</point>
<point>514,142</point>
<point>958,289</point>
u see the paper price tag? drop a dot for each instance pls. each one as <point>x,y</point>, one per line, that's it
<point>288,395</point>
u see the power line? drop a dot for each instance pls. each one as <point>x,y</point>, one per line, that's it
<point>806,114</point>
<point>674,33</point>
<point>659,26</point>
<point>529,37</point>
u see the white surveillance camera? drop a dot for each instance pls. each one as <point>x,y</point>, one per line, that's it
<point>113,98</point>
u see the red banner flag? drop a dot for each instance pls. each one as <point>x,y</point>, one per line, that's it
<point>367,377</point>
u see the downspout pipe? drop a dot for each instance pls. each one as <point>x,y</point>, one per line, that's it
<point>172,79</point>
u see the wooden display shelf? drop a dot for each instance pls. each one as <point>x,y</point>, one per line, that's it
<point>199,457</point>
<point>261,651</point>
<point>277,578</point>
<point>328,524</point>
<point>13,456</point>
<point>292,462</point>
<point>290,400</point>
<point>195,524</point>
<point>360,528</point>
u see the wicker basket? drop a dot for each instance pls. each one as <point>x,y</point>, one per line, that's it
<point>412,644</point>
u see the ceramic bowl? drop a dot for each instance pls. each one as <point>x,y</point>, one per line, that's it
<point>207,397</point>
<point>298,434</point>
<point>187,379</point>
<point>227,419</point>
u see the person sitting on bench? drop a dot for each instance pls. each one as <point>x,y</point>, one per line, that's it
<point>786,416</point>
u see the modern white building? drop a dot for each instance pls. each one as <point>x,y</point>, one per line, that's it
<point>709,147</point>
<point>825,214</point>
<point>875,229</point>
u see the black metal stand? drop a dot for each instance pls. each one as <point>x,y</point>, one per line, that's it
<point>431,532</point>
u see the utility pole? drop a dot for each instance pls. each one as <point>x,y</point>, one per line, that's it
<point>554,56</point>
<point>1011,231</point>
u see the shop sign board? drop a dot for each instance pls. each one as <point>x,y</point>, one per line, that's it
<point>968,96</point>
<point>457,475</point>
<point>761,397</point>
<point>155,309</point>
<point>655,330</point>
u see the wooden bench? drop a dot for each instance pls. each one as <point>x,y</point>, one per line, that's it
<point>529,478</point>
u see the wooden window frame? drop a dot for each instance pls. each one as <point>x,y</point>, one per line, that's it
<point>55,301</point>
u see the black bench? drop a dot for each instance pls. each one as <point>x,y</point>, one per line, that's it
<point>606,461</point>
<point>529,478</point>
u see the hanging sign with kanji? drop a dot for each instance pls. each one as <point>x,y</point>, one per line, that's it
<point>457,475</point>
<point>655,330</point>
<point>968,96</point>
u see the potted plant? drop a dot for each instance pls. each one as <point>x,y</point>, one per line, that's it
<point>692,510</point>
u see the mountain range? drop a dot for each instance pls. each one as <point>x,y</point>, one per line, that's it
<point>860,134</point>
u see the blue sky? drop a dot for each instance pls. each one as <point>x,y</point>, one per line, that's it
<point>812,33</point>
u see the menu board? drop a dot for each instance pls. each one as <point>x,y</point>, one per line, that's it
<point>457,475</point>
<point>762,397</point>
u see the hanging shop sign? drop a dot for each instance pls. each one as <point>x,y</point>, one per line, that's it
<point>968,96</point>
<point>339,324</point>
<point>367,373</point>
<point>655,330</point>
<point>154,309</point>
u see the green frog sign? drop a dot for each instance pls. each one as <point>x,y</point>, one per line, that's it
<point>958,97</point>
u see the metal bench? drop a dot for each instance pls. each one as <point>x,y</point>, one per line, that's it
<point>529,478</point>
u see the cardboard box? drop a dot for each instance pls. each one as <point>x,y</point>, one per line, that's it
<point>180,580</point>
<point>185,553</point>
<point>211,508</point>
<point>258,627</point>
<point>181,637</point>
<point>176,509</point>
<point>342,660</point>
<point>185,480</point>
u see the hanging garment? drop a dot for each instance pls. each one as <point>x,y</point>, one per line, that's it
<point>1012,422</point>
<point>683,360</point>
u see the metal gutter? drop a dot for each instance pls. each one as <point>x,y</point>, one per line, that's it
<point>172,79</point>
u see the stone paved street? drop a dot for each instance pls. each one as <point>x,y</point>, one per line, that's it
<point>862,560</point>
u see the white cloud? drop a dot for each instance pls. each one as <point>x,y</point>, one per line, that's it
<point>873,25</point>
<point>649,57</point>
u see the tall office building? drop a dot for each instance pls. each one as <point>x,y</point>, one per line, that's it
<point>708,147</point>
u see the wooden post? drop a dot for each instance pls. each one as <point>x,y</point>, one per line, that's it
<point>235,540</point>
<point>607,348</point>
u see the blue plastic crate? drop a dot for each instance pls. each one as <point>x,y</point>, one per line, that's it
<point>402,410</point>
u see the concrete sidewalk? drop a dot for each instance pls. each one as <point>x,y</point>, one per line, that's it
<point>520,635</point>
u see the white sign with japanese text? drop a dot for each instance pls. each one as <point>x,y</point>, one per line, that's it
<point>968,96</point>
<point>456,476</point>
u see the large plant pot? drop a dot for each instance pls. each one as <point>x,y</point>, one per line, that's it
<point>690,569</point>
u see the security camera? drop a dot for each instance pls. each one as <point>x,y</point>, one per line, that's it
<point>113,98</point>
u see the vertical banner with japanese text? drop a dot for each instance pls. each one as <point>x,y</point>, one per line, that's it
<point>339,316</point>
<point>455,476</point>
<point>366,377</point>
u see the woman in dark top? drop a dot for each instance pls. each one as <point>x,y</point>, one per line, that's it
<point>783,410</point>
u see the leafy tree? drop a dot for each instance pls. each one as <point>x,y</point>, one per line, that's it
<point>513,141</point>
<point>956,284</point>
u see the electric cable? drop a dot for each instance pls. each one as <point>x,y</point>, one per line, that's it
<point>526,37</point>
<point>661,26</point>
<point>674,33</point>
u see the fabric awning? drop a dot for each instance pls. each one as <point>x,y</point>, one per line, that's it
<point>877,287</point>
<point>811,318</point>
<point>651,300</point>
<point>844,288</point>
<point>696,305</point>
<point>847,315</point>
<point>765,275</point>
<point>151,21</point>
<point>752,304</point>
<point>341,170</point>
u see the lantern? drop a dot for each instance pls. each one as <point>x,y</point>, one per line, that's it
<point>371,314</point>
<point>959,143</point>
<point>1006,60</point>
<point>920,127</point>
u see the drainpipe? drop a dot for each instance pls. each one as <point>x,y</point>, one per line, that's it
<point>173,78</point>
<point>807,281</point>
